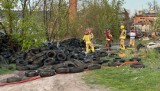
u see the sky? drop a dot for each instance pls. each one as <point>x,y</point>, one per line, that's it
<point>135,5</point>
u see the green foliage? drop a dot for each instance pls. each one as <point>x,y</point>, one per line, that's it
<point>102,15</point>
<point>33,32</point>
<point>98,14</point>
<point>10,17</point>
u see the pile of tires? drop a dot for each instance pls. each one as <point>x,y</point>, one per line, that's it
<point>8,49</point>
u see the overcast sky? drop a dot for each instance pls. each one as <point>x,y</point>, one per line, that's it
<point>134,5</point>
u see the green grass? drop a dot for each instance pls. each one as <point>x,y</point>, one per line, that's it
<point>4,70</point>
<point>129,79</point>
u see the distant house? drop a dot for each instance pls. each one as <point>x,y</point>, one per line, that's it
<point>143,21</point>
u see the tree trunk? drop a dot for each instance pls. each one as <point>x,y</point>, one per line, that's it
<point>72,10</point>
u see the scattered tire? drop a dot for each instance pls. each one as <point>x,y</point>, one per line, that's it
<point>13,79</point>
<point>94,66</point>
<point>31,73</point>
<point>76,69</point>
<point>103,61</point>
<point>119,60</point>
<point>137,65</point>
<point>135,59</point>
<point>103,54</point>
<point>114,64</point>
<point>62,70</point>
<point>47,73</point>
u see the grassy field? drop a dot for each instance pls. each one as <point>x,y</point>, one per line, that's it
<point>5,70</point>
<point>129,79</point>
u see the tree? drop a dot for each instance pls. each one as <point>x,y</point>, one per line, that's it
<point>10,17</point>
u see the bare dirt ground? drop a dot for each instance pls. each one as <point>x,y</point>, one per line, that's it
<point>60,82</point>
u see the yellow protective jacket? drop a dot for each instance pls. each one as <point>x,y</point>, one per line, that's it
<point>87,38</point>
<point>123,34</point>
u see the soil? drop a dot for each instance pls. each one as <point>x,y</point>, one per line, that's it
<point>59,82</point>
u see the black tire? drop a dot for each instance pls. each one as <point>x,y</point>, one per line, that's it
<point>69,64</point>
<point>49,61</point>
<point>61,65</point>
<point>44,48</point>
<point>72,56</point>
<point>48,67</point>
<point>103,61</point>
<point>96,58</point>
<point>113,54</point>
<point>119,60</point>
<point>33,67</point>
<point>13,79</point>
<point>39,60</point>
<point>81,56</point>
<point>41,55</point>
<point>21,68</point>
<point>47,73</point>
<point>135,59</point>
<point>102,54</point>
<point>62,70</point>
<point>94,66</point>
<point>21,62</point>
<point>76,69</point>
<point>114,64</point>
<point>137,65</point>
<point>51,54</point>
<point>31,73</point>
<point>61,56</point>
<point>34,51</point>
<point>78,63</point>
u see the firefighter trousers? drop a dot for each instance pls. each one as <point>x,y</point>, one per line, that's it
<point>132,42</point>
<point>88,46</point>
<point>122,46</point>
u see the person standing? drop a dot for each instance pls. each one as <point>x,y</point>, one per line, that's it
<point>87,38</point>
<point>122,37</point>
<point>132,37</point>
<point>108,39</point>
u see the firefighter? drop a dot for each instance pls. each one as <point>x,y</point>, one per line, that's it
<point>108,39</point>
<point>132,37</point>
<point>122,37</point>
<point>87,38</point>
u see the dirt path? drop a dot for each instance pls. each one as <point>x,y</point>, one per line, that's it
<point>60,82</point>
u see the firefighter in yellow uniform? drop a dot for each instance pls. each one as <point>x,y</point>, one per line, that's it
<point>122,38</point>
<point>87,38</point>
